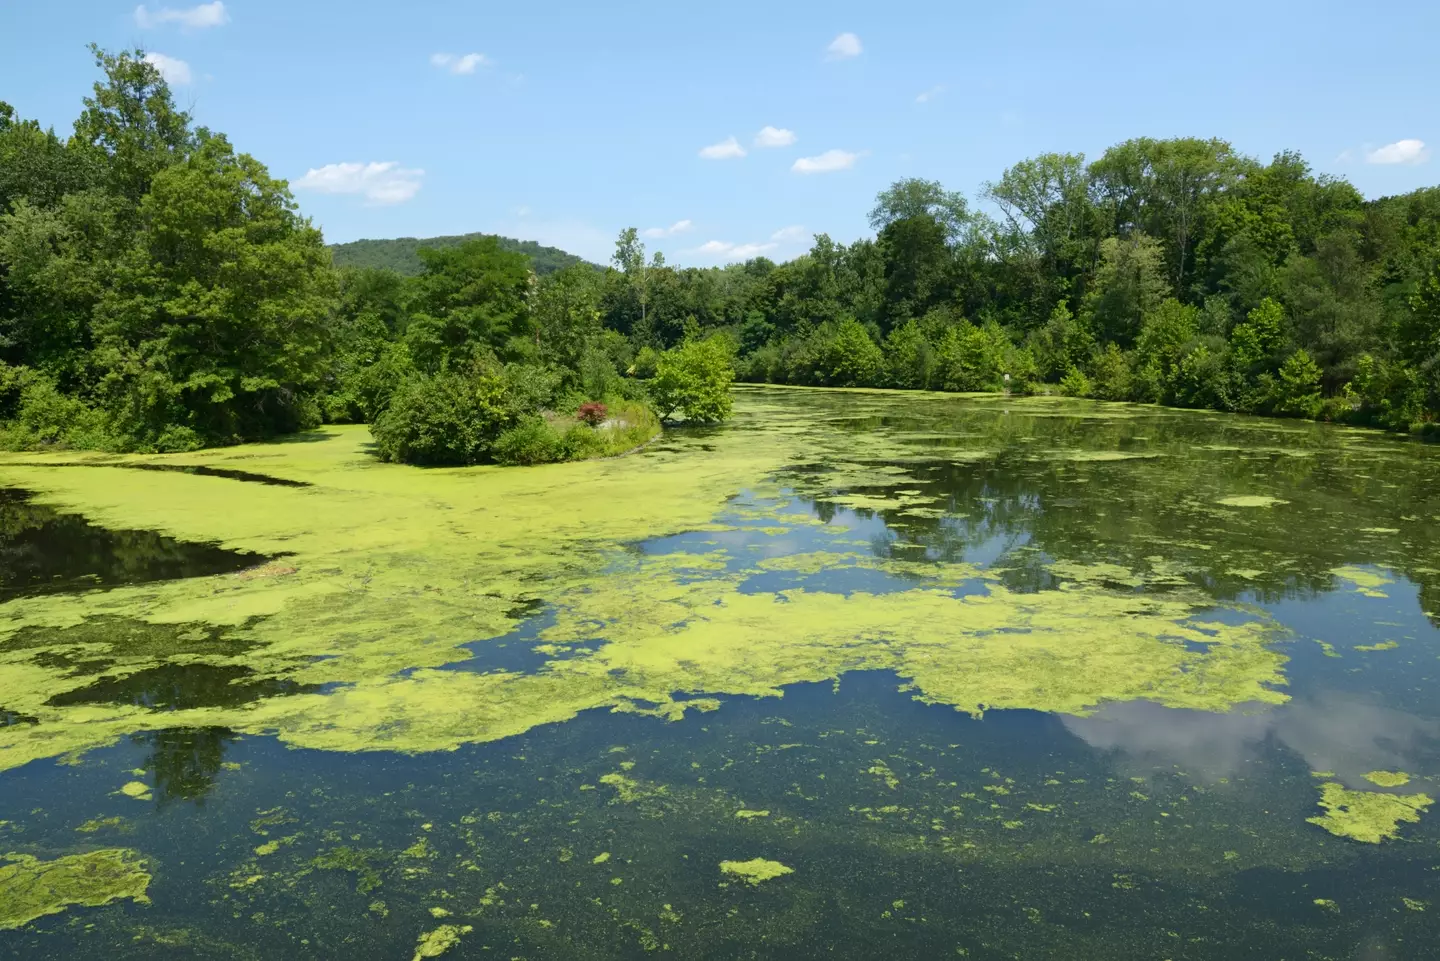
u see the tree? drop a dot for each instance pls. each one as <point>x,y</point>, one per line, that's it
<point>913,197</point>
<point>469,300</point>
<point>130,128</point>
<point>694,381</point>
<point>217,317</point>
<point>1128,284</point>
<point>853,359</point>
<point>452,417</point>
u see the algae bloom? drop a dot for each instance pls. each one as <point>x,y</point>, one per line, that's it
<point>31,888</point>
<point>1367,816</point>
<point>432,944</point>
<point>756,870</point>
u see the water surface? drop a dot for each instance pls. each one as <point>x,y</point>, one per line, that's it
<point>993,678</point>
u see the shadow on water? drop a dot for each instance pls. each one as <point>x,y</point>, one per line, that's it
<point>44,551</point>
<point>198,470</point>
<point>179,687</point>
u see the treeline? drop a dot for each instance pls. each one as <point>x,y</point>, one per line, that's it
<point>160,292</point>
<point>402,254</point>
<point>1169,271</point>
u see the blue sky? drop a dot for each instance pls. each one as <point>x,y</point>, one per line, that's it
<point>565,122</point>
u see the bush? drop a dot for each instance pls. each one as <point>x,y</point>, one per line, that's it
<point>1076,384</point>
<point>1112,376</point>
<point>909,357</point>
<point>532,441</point>
<point>34,413</point>
<point>694,380</point>
<point>850,358</point>
<point>592,413</point>
<point>1297,389</point>
<point>448,418</point>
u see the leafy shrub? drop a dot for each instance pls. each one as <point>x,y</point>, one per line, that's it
<point>532,441</point>
<point>592,413</point>
<point>646,362</point>
<point>1112,374</point>
<point>1076,384</point>
<point>448,418</point>
<point>1297,388</point>
<point>694,380</point>
<point>34,413</point>
<point>909,357</point>
<point>849,358</point>
<point>581,443</point>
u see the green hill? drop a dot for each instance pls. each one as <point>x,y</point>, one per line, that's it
<point>400,254</point>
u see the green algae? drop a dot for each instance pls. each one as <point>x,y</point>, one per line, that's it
<point>746,815</point>
<point>1365,581</point>
<point>1251,500</point>
<point>31,888</point>
<point>755,871</point>
<point>432,944</point>
<point>1380,646</point>
<point>391,569</point>
<point>1367,816</point>
<point>1388,778</point>
<point>138,790</point>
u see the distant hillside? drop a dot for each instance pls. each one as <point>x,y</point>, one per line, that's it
<point>400,254</point>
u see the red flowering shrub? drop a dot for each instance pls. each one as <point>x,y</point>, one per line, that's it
<point>593,413</point>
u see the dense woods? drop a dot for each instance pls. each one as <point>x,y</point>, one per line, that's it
<point>402,254</point>
<point>160,291</point>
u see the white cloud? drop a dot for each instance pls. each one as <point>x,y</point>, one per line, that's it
<point>827,162</point>
<point>725,250</point>
<point>1399,152</point>
<point>678,227</point>
<point>774,137</point>
<point>458,63</point>
<point>930,94</point>
<point>175,72</point>
<point>727,149</point>
<point>843,47</point>
<point>790,235</point>
<point>191,18</point>
<point>380,183</point>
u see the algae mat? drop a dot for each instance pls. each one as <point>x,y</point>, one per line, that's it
<point>849,631</point>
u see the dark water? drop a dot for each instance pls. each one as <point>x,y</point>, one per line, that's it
<point>914,831</point>
<point>44,552</point>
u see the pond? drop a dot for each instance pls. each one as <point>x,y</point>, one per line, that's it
<point>858,674</point>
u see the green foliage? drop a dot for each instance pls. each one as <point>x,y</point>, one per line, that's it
<point>1129,284</point>
<point>1113,374</point>
<point>1076,384</point>
<point>1297,389</point>
<point>446,418</point>
<point>909,357</point>
<point>467,301</point>
<point>402,255</point>
<point>1166,332</point>
<point>532,441</point>
<point>1255,341</point>
<point>849,357</point>
<point>34,413</point>
<point>693,380</point>
<point>1062,345</point>
<point>972,358</point>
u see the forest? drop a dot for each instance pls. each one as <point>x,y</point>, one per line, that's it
<point>161,291</point>
<point>402,254</point>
